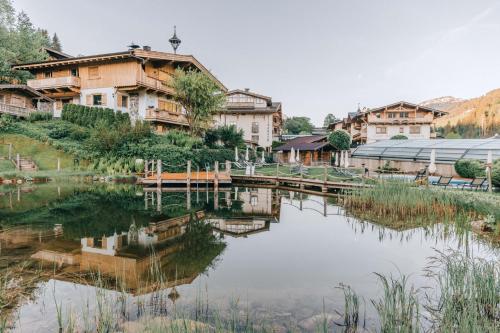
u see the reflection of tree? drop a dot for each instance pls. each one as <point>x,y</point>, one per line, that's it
<point>198,249</point>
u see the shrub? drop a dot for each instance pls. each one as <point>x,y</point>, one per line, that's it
<point>469,168</point>
<point>40,116</point>
<point>79,134</point>
<point>228,136</point>
<point>340,139</point>
<point>399,137</point>
<point>495,174</point>
<point>91,116</point>
<point>59,133</point>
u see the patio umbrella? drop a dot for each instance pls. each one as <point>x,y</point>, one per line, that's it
<point>292,156</point>
<point>263,157</point>
<point>346,159</point>
<point>336,158</point>
<point>432,165</point>
<point>341,164</point>
<point>247,155</point>
<point>298,156</point>
<point>489,159</point>
<point>236,154</point>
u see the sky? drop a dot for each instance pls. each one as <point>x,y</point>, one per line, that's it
<point>315,57</point>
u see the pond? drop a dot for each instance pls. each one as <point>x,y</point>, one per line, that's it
<point>277,256</point>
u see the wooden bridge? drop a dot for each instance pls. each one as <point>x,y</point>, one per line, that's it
<point>301,183</point>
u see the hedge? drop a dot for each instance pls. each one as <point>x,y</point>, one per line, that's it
<point>90,116</point>
<point>470,168</point>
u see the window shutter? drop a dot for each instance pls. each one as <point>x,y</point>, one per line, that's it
<point>58,104</point>
<point>88,100</point>
<point>104,102</point>
<point>119,100</point>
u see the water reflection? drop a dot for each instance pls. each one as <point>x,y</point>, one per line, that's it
<point>285,250</point>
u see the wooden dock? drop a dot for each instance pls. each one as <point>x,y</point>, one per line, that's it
<point>195,178</point>
<point>301,183</point>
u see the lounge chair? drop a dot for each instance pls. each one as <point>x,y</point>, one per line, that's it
<point>476,184</point>
<point>420,174</point>
<point>443,181</point>
<point>299,169</point>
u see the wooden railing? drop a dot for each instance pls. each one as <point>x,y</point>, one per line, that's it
<point>402,121</point>
<point>153,83</point>
<point>54,82</point>
<point>15,110</point>
<point>166,116</point>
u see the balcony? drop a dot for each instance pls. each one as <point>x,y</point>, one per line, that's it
<point>240,105</point>
<point>56,83</point>
<point>153,84</point>
<point>169,117</point>
<point>400,121</point>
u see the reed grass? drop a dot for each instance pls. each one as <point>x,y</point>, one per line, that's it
<point>402,205</point>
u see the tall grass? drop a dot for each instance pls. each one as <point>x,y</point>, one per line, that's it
<point>468,295</point>
<point>402,205</point>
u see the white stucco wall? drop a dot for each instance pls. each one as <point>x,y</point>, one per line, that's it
<point>244,122</point>
<point>372,136</point>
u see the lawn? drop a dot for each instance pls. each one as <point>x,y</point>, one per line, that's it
<point>6,166</point>
<point>44,155</point>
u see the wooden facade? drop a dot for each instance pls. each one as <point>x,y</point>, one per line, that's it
<point>137,81</point>
<point>21,100</point>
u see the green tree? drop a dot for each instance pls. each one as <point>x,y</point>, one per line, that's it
<point>20,42</point>
<point>200,97</point>
<point>329,119</point>
<point>56,43</point>
<point>296,125</point>
<point>340,139</point>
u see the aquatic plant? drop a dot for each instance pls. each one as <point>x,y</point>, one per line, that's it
<point>468,295</point>
<point>403,205</point>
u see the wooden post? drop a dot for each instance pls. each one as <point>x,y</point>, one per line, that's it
<point>58,164</point>
<point>158,199</point>
<point>158,173</point>
<point>278,173</point>
<point>488,174</point>
<point>10,151</point>
<point>188,198</point>
<point>18,162</point>
<point>228,168</point>
<point>146,168</point>
<point>188,180</point>
<point>427,176</point>
<point>216,178</point>
<point>325,173</point>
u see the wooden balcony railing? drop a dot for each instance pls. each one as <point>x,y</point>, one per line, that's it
<point>54,82</point>
<point>17,111</point>
<point>230,105</point>
<point>402,121</point>
<point>155,84</point>
<point>166,116</point>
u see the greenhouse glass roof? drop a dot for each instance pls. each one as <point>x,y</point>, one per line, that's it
<point>447,150</point>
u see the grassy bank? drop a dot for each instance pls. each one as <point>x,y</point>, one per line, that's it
<point>43,154</point>
<point>402,205</point>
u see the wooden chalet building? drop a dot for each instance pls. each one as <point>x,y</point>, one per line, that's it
<point>402,118</point>
<point>20,100</point>
<point>312,149</point>
<point>137,81</point>
<point>260,119</point>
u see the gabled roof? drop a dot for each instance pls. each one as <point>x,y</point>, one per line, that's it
<point>137,54</point>
<point>56,54</point>
<point>304,143</point>
<point>248,93</point>
<point>437,112</point>
<point>26,90</point>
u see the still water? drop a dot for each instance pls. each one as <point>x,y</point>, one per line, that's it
<point>276,255</point>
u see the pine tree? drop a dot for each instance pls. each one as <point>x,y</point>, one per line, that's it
<point>56,43</point>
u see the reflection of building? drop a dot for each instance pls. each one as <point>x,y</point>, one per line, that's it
<point>259,207</point>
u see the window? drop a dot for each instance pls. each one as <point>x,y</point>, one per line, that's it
<point>401,130</point>
<point>124,101</point>
<point>391,115</point>
<point>255,138</point>
<point>74,72</point>
<point>377,115</point>
<point>403,115</point>
<point>2,99</point>
<point>47,75</point>
<point>166,105</point>
<point>255,127</point>
<point>97,99</point>
<point>93,72</point>
<point>414,129</point>
<point>381,130</point>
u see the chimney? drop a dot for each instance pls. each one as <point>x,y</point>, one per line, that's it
<point>146,48</point>
<point>247,89</point>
